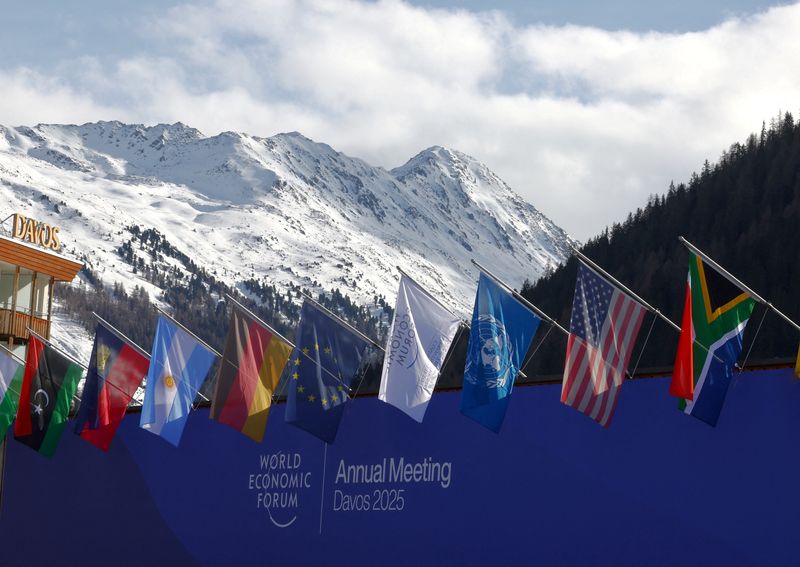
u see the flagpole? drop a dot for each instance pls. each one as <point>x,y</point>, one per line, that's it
<point>261,321</point>
<point>275,395</point>
<point>51,345</point>
<point>121,336</point>
<point>17,359</point>
<point>641,301</point>
<point>735,281</point>
<point>342,321</point>
<point>624,288</point>
<point>61,352</point>
<point>11,354</point>
<point>198,339</point>
<point>521,299</point>
<point>425,291</point>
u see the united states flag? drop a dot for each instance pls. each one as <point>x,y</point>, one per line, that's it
<point>602,332</point>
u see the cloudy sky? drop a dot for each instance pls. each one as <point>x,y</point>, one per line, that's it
<point>583,107</point>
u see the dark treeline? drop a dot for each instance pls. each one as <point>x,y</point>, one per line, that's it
<point>197,298</point>
<point>744,212</point>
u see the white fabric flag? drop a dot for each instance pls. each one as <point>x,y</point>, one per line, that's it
<point>422,332</point>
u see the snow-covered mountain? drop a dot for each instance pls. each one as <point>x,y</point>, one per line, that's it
<point>285,208</point>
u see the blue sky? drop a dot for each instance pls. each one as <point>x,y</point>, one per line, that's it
<point>585,108</point>
<point>673,16</point>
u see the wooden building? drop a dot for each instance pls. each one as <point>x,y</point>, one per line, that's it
<point>28,273</point>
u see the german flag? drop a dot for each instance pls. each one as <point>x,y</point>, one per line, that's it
<point>714,317</point>
<point>251,367</point>
<point>48,385</point>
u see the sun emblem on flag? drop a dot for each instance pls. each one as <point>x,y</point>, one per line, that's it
<point>169,381</point>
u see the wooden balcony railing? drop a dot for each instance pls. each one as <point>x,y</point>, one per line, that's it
<point>15,324</point>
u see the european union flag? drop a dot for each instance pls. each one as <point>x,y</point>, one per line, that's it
<point>502,331</point>
<point>326,359</point>
<point>178,366</point>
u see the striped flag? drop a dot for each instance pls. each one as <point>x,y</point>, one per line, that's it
<point>11,374</point>
<point>603,330</point>
<point>252,363</point>
<point>178,366</point>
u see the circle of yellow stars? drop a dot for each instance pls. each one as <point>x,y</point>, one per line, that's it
<point>311,397</point>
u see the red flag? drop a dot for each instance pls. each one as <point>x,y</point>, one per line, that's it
<point>115,372</point>
<point>251,367</point>
<point>24,425</point>
<point>682,384</point>
<point>603,329</point>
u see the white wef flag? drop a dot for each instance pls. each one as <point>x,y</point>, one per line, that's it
<point>422,332</point>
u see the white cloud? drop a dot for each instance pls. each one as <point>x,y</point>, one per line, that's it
<point>583,122</point>
<point>29,97</point>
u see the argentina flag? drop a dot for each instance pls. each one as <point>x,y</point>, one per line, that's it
<point>501,333</point>
<point>178,366</point>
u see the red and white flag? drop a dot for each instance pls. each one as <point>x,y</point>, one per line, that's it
<point>602,332</point>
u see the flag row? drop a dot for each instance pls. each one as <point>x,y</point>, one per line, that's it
<point>322,371</point>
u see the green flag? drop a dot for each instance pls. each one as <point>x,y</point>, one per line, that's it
<point>49,383</point>
<point>11,373</point>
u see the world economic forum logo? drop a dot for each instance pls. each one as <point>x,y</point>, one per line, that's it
<point>489,357</point>
<point>403,349</point>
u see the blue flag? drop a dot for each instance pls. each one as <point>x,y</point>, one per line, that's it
<point>326,359</point>
<point>502,330</point>
<point>178,366</point>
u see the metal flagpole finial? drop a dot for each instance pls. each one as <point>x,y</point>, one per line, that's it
<point>592,265</point>
<point>60,351</point>
<point>11,354</point>
<point>198,339</point>
<point>260,321</point>
<point>341,321</point>
<point>426,292</point>
<point>119,334</point>
<point>722,271</point>
<point>736,281</point>
<point>521,299</point>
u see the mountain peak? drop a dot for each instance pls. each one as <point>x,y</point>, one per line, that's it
<point>284,209</point>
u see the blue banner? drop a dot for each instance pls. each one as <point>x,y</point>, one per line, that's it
<point>551,488</point>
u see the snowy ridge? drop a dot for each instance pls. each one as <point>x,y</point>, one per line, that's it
<point>284,208</point>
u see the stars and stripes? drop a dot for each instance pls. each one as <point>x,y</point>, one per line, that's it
<point>603,330</point>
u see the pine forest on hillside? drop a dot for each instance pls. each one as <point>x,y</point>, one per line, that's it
<point>744,212</point>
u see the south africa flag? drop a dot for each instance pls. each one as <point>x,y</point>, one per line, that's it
<point>714,317</point>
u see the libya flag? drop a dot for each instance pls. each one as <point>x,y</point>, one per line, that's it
<point>48,385</point>
<point>11,373</point>
<point>714,317</point>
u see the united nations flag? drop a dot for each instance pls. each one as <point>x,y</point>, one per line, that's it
<point>322,368</point>
<point>502,330</point>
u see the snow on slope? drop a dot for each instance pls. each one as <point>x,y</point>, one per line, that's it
<point>284,208</point>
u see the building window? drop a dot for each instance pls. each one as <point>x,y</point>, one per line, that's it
<point>41,296</point>
<point>24,291</point>
<point>7,272</point>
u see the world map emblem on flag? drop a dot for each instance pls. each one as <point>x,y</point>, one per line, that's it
<point>501,333</point>
<point>490,356</point>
